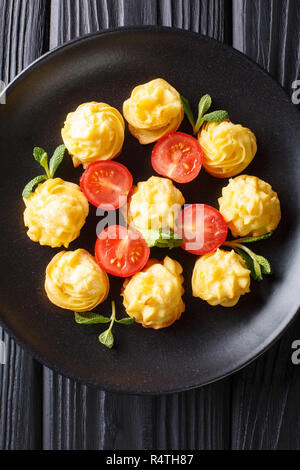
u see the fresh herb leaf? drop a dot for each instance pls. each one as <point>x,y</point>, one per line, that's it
<point>254,239</point>
<point>162,238</point>
<point>216,116</point>
<point>90,318</point>
<point>251,264</point>
<point>257,270</point>
<point>248,260</point>
<point>40,155</point>
<point>204,105</point>
<point>42,158</point>
<point>126,321</point>
<point>107,339</point>
<point>57,159</point>
<point>29,188</point>
<point>257,264</point>
<point>188,110</point>
<point>265,264</point>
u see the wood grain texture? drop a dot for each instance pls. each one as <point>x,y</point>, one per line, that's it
<point>77,417</point>
<point>264,412</point>
<point>256,408</point>
<point>23,35</point>
<point>268,31</point>
<point>74,18</point>
<point>265,398</point>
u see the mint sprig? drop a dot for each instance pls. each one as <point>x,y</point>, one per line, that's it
<point>107,338</point>
<point>204,105</point>
<point>253,239</point>
<point>257,264</point>
<point>41,157</point>
<point>90,318</point>
<point>188,111</point>
<point>57,159</point>
<point>30,187</point>
<point>162,238</point>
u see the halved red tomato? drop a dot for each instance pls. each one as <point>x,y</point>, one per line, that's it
<point>106,184</point>
<point>202,228</point>
<point>178,156</point>
<point>121,252</point>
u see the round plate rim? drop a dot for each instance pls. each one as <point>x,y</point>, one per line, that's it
<point>282,327</point>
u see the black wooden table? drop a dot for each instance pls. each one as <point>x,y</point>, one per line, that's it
<point>257,408</point>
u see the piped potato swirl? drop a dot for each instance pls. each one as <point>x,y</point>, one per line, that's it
<point>228,148</point>
<point>95,131</point>
<point>221,278</point>
<point>250,206</point>
<point>74,281</point>
<point>55,213</point>
<point>153,110</point>
<point>154,296</point>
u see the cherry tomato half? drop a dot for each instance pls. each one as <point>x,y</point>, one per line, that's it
<point>203,229</point>
<point>177,156</point>
<point>121,252</point>
<point>106,184</point>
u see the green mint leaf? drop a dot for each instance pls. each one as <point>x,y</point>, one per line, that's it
<point>126,321</point>
<point>107,339</point>
<point>256,266</point>
<point>254,239</point>
<point>204,105</point>
<point>248,260</point>
<point>90,318</point>
<point>216,116</point>
<point>255,270</point>
<point>40,155</point>
<point>162,238</point>
<point>42,158</point>
<point>265,264</point>
<point>57,159</point>
<point>30,187</point>
<point>188,110</point>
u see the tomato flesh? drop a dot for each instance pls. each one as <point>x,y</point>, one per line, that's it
<point>203,229</point>
<point>121,252</point>
<point>106,184</point>
<point>177,156</point>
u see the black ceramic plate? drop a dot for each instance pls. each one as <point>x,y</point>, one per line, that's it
<point>208,342</point>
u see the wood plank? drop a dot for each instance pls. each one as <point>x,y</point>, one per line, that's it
<point>23,35</point>
<point>78,417</point>
<point>74,18</point>
<point>202,16</point>
<point>265,400</point>
<point>265,406</point>
<point>269,33</point>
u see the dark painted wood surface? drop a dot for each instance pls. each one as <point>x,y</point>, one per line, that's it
<point>265,396</point>
<point>23,35</point>
<point>258,408</point>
